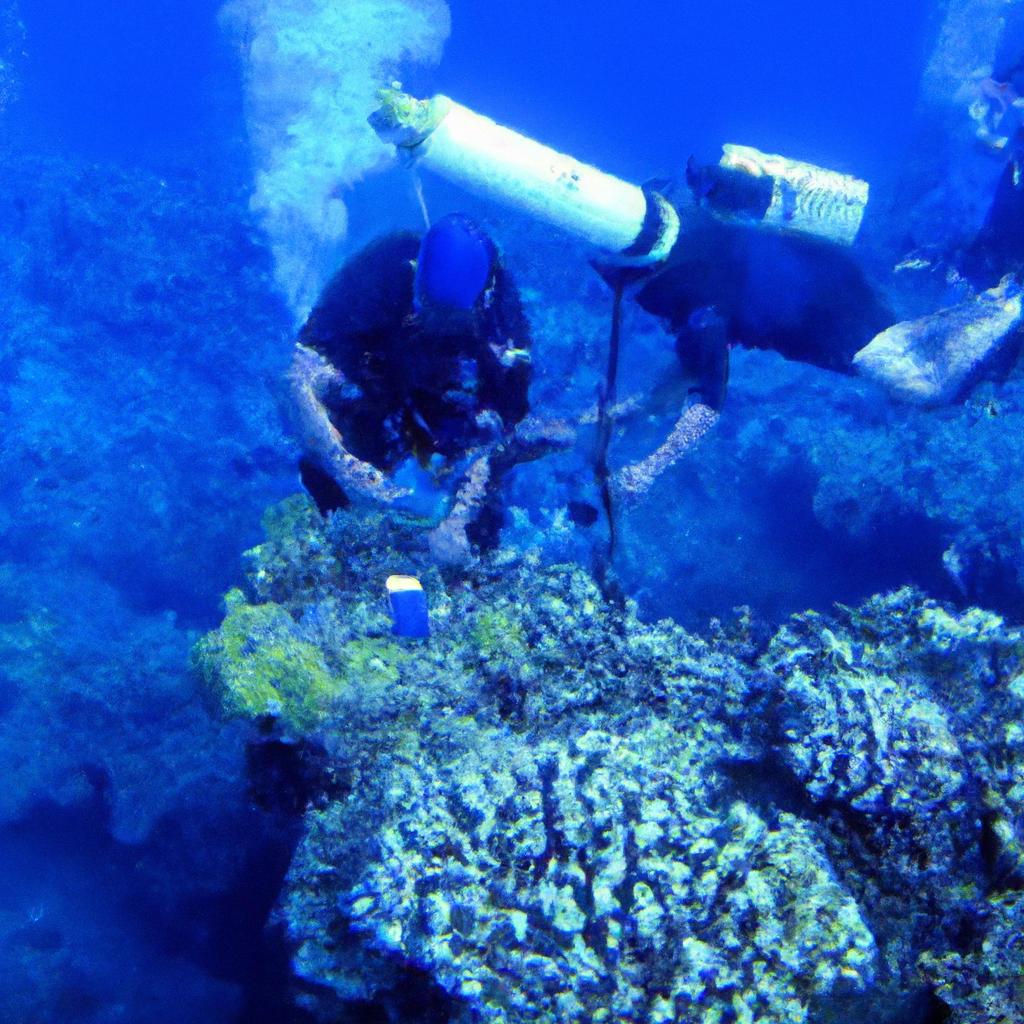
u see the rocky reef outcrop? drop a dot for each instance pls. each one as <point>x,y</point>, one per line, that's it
<point>552,810</point>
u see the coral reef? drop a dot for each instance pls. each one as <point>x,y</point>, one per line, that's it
<point>899,719</point>
<point>123,367</point>
<point>986,984</point>
<point>128,473</point>
<point>311,143</point>
<point>597,879</point>
<point>838,810</point>
<point>554,811</point>
<point>272,671</point>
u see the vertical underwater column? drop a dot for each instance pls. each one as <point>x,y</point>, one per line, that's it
<point>12,45</point>
<point>312,69</point>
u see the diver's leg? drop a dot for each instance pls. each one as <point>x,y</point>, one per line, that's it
<point>702,347</point>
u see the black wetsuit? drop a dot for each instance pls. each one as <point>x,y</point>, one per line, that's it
<point>416,380</point>
<point>729,283</point>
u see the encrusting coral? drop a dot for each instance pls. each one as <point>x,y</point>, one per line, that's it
<point>554,811</point>
<point>985,985</point>
<point>599,878</point>
<point>901,720</point>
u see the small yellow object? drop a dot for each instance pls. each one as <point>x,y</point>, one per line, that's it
<point>396,583</point>
<point>408,604</point>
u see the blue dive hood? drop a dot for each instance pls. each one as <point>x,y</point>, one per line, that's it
<point>454,264</point>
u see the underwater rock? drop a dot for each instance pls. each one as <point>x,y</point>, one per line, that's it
<point>932,360</point>
<point>143,442</point>
<point>901,719</point>
<point>985,984</point>
<point>269,669</point>
<point>948,178</point>
<point>84,725</point>
<point>553,811</point>
<point>511,779</point>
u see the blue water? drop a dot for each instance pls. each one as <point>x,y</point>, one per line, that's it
<point>143,346</point>
<point>638,91</point>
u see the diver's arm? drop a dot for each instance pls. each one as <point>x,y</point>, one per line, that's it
<point>449,541</point>
<point>632,482</point>
<point>311,378</point>
<point>702,346</point>
<point>533,438</point>
<point>505,363</point>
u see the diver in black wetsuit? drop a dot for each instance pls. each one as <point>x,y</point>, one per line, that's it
<point>732,283</point>
<point>998,247</point>
<point>431,339</point>
<point>412,368</point>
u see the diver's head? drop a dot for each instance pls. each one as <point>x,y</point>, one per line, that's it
<point>455,263</point>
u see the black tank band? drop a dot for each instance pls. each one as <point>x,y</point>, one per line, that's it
<point>652,228</point>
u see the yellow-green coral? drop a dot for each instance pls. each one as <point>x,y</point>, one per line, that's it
<point>372,664</point>
<point>944,630</point>
<point>258,665</point>
<point>498,635</point>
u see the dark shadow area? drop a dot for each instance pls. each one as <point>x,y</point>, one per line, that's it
<point>173,928</point>
<point>149,587</point>
<point>766,549</point>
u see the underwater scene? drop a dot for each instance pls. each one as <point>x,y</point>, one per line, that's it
<point>511,513</point>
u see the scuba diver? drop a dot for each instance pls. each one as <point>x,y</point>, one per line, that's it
<point>726,283</point>
<point>411,379</point>
<point>755,255</point>
<point>757,251</point>
<point>998,111</point>
<point>998,247</point>
<point>744,271</point>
